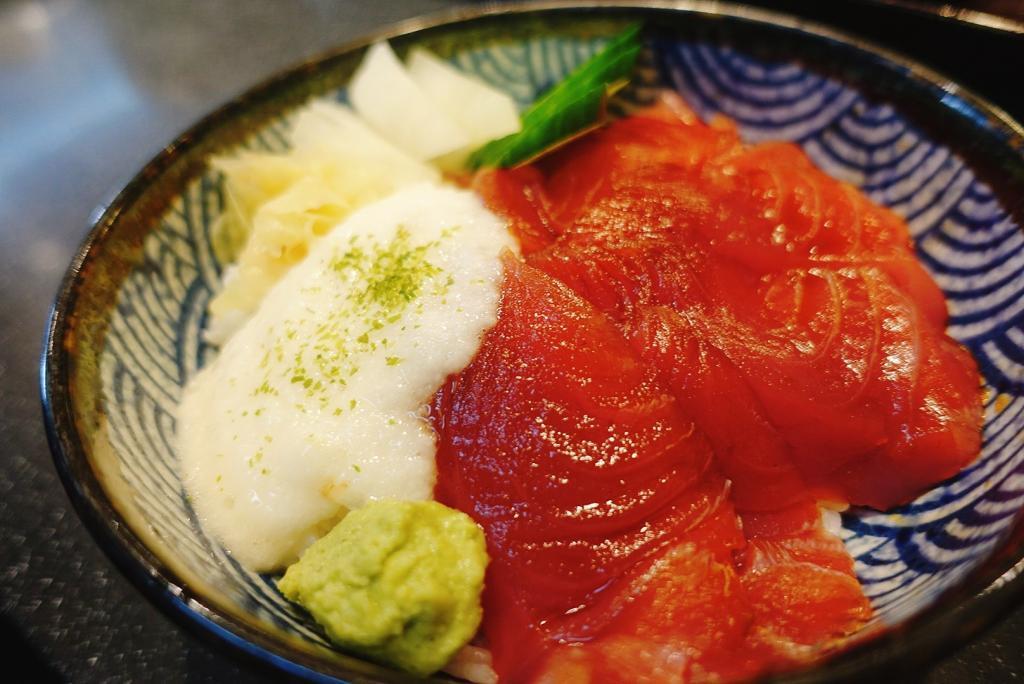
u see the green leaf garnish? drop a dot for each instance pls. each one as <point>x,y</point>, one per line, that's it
<point>571,107</point>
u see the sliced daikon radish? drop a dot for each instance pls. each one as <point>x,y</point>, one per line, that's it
<point>384,94</point>
<point>279,204</point>
<point>483,112</point>
<point>326,127</point>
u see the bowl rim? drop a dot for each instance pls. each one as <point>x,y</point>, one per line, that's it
<point>983,597</point>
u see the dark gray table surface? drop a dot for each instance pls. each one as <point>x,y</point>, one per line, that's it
<point>88,92</point>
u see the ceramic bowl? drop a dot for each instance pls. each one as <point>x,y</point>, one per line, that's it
<point>124,336</point>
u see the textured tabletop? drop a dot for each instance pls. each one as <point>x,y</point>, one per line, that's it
<point>88,92</point>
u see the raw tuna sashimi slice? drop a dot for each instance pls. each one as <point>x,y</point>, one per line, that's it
<point>519,195</point>
<point>688,620</point>
<point>580,467</point>
<point>811,291</point>
<point>768,341</point>
<point>848,370</point>
<point>798,576</point>
<point>749,450</point>
<point>800,582</point>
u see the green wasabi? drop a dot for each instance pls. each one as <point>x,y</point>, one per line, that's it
<point>396,581</point>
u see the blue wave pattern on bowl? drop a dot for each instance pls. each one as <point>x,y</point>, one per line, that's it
<point>967,241</point>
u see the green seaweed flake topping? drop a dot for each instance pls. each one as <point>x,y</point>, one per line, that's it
<point>386,279</point>
<point>394,275</point>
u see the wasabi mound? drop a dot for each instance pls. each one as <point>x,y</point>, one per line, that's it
<point>396,581</point>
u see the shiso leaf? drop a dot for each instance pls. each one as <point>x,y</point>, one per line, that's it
<point>573,105</point>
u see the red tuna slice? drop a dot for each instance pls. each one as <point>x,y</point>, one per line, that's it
<point>941,431</point>
<point>619,275</point>
<point>576,462</point>
<point>779,208</point>
<point>695,619</point>
<point>766,206</point>
<point>833,354</point>
<point>794,534</point>
<point>800,577</point>
<point>687,620</point>
<point>651,146</point>
<point>637,246</point>
<point>875,403</point>
<point>799,604</point>
<point>519,196</point>
<point>800,581</point>
<point>748,449</point>
<point>779,211</point>
<point>810,344</point>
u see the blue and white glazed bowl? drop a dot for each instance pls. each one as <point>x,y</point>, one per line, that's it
<point>124,336</point>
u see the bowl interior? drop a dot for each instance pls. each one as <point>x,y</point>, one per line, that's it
<point>135,305</point>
